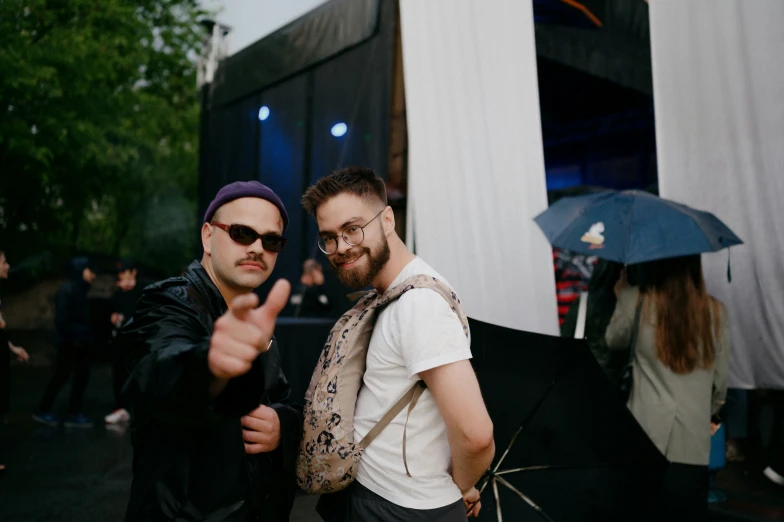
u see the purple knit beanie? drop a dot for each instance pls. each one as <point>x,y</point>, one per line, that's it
<point>246,189</point>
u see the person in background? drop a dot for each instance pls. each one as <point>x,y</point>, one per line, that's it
<point>123,304</point>
<point>600,307</point>
<point>736,421</point>
<point>680,368</point>
<point>572,273</point>
<point>311,301</point>
<point>5,362</point>
<point>72,320</point>
<point>775,453</point>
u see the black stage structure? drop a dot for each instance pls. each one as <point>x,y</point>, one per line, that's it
<point>271,110</point>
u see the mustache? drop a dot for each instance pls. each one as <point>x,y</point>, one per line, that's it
<point>338,259</point>
<point>253,259</point>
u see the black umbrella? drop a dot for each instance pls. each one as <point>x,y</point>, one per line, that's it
<point>567,449</point>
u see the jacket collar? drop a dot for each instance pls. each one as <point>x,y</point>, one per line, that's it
<point>199,278</point>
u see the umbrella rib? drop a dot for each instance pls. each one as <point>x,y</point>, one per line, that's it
<point>509,447</point>
<point>553,467</point>
<point>533,412</point>
<point>498,513</point>
<point>526,499</point>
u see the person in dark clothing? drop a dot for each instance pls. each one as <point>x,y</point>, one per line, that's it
<point>72,321</point>
<point>215,432</point>
<point>312,300</point>
<point>774,471</point>
<point>601,305</point>
<point>5,360</point>
<point>123,304</point>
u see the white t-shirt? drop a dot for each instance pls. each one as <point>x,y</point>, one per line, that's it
<point>417,332</point>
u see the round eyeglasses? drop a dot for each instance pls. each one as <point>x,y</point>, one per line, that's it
<point>353,235</point>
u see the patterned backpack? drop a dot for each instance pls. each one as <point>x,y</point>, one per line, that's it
<point>329,456</point>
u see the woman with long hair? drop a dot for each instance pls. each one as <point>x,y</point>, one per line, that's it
<point>6,348</point>
<point>679,371</point>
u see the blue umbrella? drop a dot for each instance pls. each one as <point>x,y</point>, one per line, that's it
<point>632,227</point>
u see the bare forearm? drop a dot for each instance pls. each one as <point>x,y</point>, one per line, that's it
<point>468,465</point>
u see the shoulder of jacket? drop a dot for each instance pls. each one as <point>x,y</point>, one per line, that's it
<point>174,288</point>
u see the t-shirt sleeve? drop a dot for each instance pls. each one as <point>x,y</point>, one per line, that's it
<point>430,333</point>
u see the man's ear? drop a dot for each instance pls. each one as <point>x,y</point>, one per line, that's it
<point>389,220</point>
<point>206,238</point>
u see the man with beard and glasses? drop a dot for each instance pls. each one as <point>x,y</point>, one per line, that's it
<point>417,337</point>
<point>215,432</point>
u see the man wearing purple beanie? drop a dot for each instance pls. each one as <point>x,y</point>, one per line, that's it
<point>215,432</point>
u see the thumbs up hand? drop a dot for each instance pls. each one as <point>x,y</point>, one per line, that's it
<point>245,331</point>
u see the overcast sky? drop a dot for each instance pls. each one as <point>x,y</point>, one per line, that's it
<point>253,19</point>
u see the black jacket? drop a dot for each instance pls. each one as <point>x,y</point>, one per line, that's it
<point>72,307</point>
<point>189,458</point>
<point>5,367</point>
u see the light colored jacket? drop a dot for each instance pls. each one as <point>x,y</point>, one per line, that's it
<point>674,409</point>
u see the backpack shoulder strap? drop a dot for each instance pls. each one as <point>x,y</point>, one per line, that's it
<point>410,399</point>
<point>432,283</point>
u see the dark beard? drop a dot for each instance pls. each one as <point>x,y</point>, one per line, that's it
<point>355,278</point>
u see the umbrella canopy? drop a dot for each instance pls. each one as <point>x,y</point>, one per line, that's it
<point>568,449</point>
<point>633,227</point>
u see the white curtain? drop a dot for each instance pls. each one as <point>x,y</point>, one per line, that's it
<point>718,74</point>
<point>476,167</point>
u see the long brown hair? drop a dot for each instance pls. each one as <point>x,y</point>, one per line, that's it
<point>687,318</point>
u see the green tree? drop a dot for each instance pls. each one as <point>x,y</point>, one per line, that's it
<point>99,127</point>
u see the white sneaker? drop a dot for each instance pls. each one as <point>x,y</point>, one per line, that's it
<point>118,416</point>
<point>773,476</point>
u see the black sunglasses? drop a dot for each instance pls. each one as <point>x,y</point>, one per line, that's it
<point>244,235</point>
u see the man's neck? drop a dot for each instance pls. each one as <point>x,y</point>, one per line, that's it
<point>225,291</point>
<point>399,258</point>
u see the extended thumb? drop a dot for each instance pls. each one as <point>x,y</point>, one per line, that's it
<point>276,301</point>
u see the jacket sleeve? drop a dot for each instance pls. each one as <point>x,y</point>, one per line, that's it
<point>721,365</point>
<point>290,414</point>
<point>278,396</point>
<point>273,474</point>
<point>619,331</point>
<point>167,343</point>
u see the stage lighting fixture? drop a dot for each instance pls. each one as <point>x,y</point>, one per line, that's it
<point>263,113</point>
<point>339,129</point>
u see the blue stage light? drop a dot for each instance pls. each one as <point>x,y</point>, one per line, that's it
<point>339,129</point>
<point>263,113</point>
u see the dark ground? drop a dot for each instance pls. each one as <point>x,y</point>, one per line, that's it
<point>69,474</point>
<point>59,474</point>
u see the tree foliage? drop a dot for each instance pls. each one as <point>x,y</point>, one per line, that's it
<point>99,128</point>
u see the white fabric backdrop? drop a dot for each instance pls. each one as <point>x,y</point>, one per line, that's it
<point>476,167</point>
<point>718,74</point>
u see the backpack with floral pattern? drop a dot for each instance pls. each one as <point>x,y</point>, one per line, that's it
<point>329,455</point>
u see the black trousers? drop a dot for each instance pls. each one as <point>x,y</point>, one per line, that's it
<point>366,506</point>
<point>71,359</point>
<point>119,375</point>
<point>684,495</point>
<point>775,453</point>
